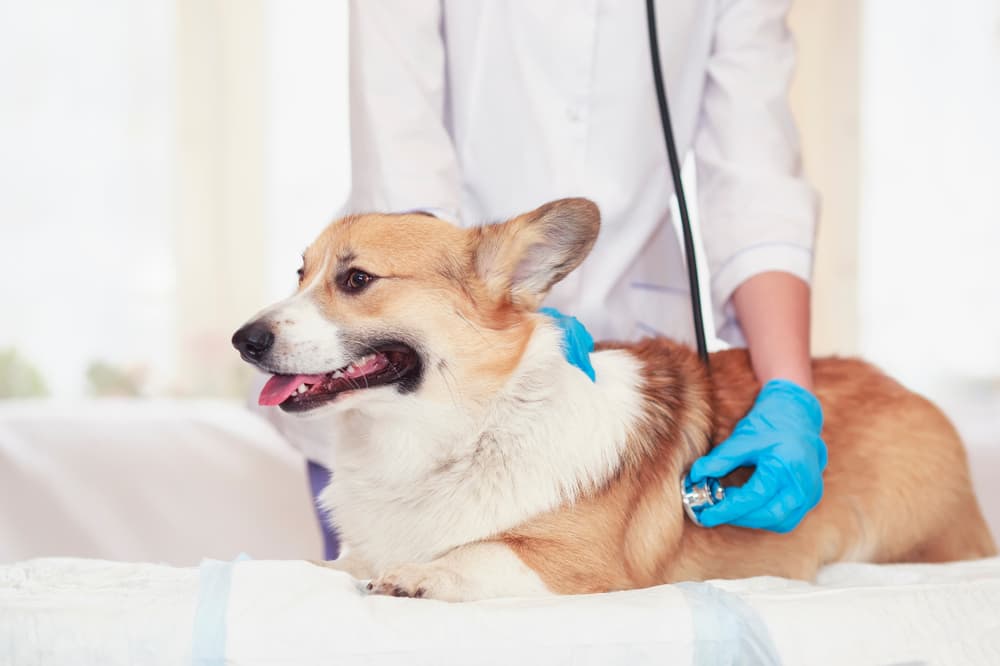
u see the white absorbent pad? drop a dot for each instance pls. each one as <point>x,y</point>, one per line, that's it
<point>92,612</point>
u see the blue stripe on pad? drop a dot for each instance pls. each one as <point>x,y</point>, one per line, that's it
<point>208,636</point>
<point>727,630</point>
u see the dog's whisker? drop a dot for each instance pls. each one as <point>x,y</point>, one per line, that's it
<point>473,326</point>
<point>451,389</point>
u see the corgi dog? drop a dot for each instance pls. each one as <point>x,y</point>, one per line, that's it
<point>473,461</point>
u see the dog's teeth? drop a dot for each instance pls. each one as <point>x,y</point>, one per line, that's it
<point>302,388</point>
<point>338,374</point>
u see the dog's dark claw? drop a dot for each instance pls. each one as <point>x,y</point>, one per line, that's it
<point>399,592</point>
<point>370,586</point>
<point>419,593</point>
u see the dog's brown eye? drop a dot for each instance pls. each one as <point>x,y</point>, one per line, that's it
<point>357,280</point>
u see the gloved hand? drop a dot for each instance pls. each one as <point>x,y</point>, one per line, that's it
<point>577,341</point>
<point>781,437</point>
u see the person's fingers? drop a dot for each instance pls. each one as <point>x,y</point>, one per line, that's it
<point>720,461</point>
<point>711,467</point>
<point>757,492</point>
<point>781,514</point>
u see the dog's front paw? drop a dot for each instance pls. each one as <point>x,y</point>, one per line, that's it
<point>431,581</point>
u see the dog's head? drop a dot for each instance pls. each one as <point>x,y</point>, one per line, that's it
<point>389,305</point>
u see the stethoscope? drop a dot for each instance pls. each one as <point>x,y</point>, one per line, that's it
<point>709,492</point>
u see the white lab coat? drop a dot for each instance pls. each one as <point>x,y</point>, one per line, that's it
<point>482,109</point>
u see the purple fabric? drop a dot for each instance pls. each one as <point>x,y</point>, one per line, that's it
<point>319,476</point>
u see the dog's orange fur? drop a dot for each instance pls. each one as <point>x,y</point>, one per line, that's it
<point>897,486</point>
<point>896,489</point>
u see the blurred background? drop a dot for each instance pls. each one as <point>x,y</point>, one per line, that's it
<point>163,164</point>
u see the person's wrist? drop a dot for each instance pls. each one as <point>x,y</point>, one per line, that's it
<point>800,376</point>
<point>802,380</point>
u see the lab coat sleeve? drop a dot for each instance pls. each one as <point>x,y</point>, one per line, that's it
<point>402,158</point>
<point>757,212</point>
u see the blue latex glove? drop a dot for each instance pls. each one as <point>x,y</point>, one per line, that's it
<point>577,341</point>
<point>781,437</point>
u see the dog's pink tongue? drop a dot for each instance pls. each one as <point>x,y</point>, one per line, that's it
<point>279,387</point>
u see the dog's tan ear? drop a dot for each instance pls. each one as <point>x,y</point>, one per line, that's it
<point>527,255</point>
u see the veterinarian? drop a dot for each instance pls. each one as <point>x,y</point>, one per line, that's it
<point>473,110</point>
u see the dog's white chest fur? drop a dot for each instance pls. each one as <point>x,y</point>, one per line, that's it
<point>414,479</point>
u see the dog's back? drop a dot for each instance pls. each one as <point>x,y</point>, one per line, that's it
<point>897,486</point>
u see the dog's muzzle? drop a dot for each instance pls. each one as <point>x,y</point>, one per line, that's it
<point>253,340</point>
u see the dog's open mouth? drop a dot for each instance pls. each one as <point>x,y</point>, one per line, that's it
<point>386,365</point>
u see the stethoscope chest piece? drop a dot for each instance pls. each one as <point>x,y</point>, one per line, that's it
<point>697,496</point>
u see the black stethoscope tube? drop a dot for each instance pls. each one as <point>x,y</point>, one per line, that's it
<point>675,171</point>
<point>709,491</point>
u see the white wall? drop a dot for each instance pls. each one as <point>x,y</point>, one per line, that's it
<point>86,140</point>
<point>930,217</point>
<point>163,165</point>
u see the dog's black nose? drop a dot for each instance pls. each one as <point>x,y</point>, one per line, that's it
<point>253,340</point>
